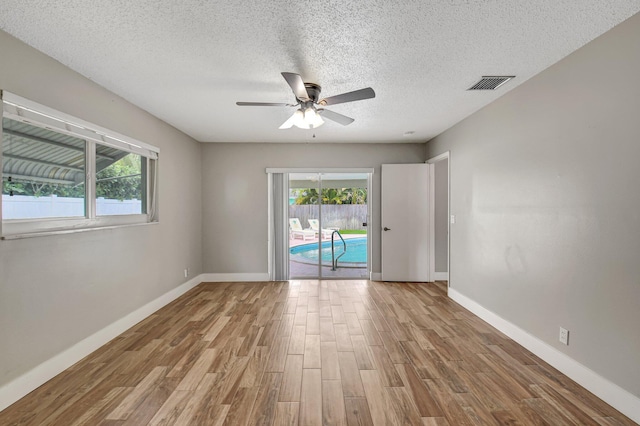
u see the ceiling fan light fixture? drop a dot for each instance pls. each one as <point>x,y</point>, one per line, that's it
<point>289,123</point>
<point>307,119</point>
<point>299,120</point>
<point>312,118</point>
<point>318,121</point>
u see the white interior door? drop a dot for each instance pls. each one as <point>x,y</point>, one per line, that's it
<point>405,222</point>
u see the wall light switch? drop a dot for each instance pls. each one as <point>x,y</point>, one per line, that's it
<point>453,219</point>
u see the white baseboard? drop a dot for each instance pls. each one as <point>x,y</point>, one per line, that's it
<point>377,276</point>
<point>216,278</point>
<point>620,399</point>
<point>441,276</point>
<point>20,386</point>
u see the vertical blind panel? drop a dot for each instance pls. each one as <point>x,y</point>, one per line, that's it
<point>280,229</point>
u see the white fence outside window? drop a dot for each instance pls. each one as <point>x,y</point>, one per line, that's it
<point>25,207</point>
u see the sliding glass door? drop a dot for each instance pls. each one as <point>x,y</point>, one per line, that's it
<point>304,190</point>
<point>328,222</point>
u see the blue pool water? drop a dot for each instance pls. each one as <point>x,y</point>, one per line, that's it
<point>356,251</point>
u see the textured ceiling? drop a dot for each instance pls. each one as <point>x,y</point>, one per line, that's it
<point>188,62</point>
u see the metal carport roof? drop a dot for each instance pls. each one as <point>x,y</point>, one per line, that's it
<point>31,153</point>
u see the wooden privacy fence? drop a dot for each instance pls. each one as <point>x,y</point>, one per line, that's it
<point>343,216</point>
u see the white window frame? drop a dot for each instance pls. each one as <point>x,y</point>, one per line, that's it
<point>26,111</point>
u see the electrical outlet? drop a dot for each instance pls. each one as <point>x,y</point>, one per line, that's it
<point>186,273</point>
<point>564,336</point>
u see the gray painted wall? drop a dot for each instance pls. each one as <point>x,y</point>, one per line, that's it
<point>58,290</point>
<point>441,198</point>
<point>544,186</point>
<point>234,194</point>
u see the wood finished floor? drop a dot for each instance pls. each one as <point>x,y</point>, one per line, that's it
<point>311,353</point>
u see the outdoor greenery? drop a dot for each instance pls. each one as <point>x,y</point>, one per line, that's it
<point>331,196</point>
<point>120,181</point>
<point>40,189</point>
<point>353,231</point>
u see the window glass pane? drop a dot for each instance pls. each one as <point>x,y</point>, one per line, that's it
<point>43,173</point>
<point>120,182</point>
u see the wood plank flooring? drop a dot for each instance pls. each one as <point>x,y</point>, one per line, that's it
<point>312,353</point>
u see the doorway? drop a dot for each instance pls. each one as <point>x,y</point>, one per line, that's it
<point>328,218</point>
<point>440,217</point>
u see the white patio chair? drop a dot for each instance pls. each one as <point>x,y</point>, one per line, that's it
<point>295,230</point>
<point>314,224</point>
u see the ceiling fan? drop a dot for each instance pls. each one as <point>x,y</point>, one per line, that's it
<point>310,112</point>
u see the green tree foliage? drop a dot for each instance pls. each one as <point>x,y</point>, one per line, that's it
<point>39,189</point>
<point>121,180</point>
<point>331,196</point>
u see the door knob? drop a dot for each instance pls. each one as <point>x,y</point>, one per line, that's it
<point>386,229</point>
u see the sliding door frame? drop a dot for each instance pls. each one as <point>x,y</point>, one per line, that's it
<point>318,170</point>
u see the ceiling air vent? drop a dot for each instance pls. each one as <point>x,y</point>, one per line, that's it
<point>491,82</point>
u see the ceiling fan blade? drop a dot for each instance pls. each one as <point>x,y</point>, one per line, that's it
<point>261,104</point>
<point>356,95</point>
<point>334,116</point>
<point>297,85</point>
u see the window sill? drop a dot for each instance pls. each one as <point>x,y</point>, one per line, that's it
<point>47,233</point>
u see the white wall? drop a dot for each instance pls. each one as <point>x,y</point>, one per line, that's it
<point>544,186</point>
<point>57,290</point>
<point>234,193</point>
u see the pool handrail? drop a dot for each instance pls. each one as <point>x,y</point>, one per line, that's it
<point>334,260</point>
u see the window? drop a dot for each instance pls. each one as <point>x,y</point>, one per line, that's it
<point>43,173</point>
<point>60,173</point>
<point>119,188</point>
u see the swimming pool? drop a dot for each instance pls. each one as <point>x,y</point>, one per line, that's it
<point>356,254</point>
